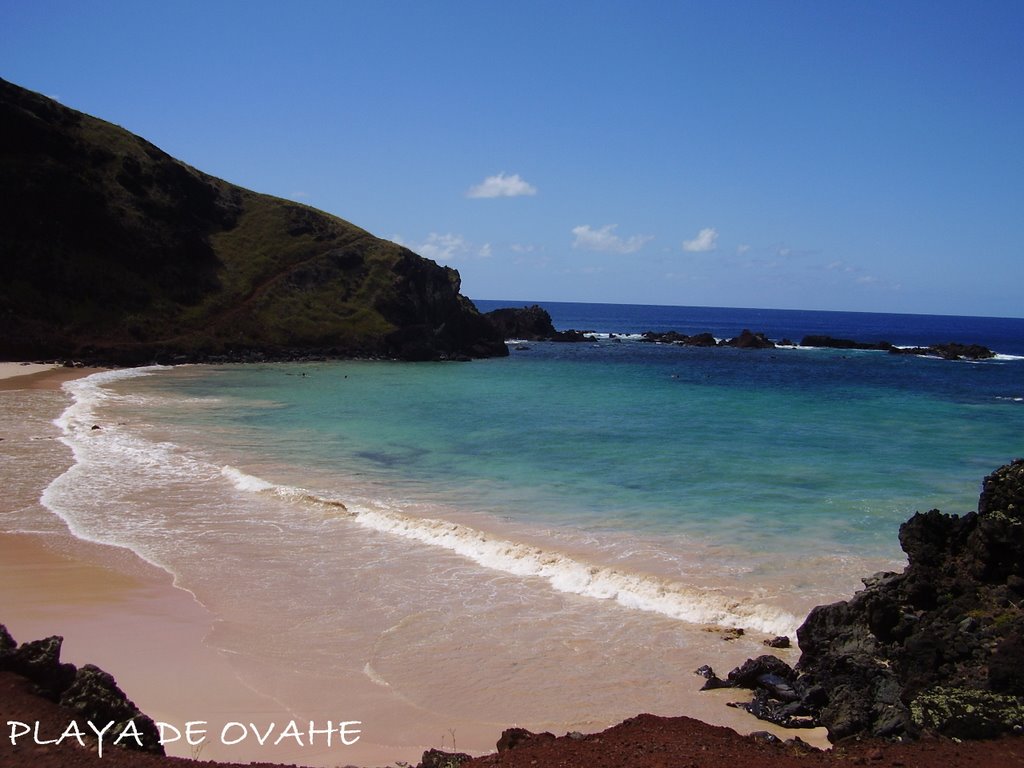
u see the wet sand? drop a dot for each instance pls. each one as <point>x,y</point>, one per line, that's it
<point>119,612</point>
<point>125,615</point>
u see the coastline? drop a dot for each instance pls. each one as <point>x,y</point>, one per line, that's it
<point>117,611</point>
<point>125,615</point>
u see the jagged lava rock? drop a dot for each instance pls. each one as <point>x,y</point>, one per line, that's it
<point>949,627</point>
<point>88,691</point>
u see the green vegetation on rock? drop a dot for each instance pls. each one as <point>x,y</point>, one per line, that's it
<point>114,251</point>
<point>967,712</point>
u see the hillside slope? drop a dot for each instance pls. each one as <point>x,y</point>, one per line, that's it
<point>112,250</point>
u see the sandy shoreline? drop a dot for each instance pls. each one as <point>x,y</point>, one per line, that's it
<point>125,615</point>
<point>119,612</point>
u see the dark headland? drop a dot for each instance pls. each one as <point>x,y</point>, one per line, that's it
<point>113,252</point>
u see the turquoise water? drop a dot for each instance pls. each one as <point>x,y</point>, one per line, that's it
<point>750,446</point>
<point>555,539</point>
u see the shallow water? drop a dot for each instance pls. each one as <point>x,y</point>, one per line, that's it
<point>556,539</point>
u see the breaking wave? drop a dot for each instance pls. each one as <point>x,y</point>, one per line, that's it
<point>564,573</point>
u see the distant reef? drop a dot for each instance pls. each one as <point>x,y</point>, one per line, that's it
<point>533,323</point>
<point>112,251</point>
<point>949,351</point>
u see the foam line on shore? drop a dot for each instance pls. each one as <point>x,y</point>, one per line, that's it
<point>562,572</point>
<point>77,422</point>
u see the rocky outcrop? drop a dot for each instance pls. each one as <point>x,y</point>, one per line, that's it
<point>87,691</point>
<point>746,340</point>
<point>830,342</point>
<point>512,738</point>
<point>530,324</point>
<point>525,323</point>
<point>749,340</point>
<point>938,647</point>
<point>950,351</point>
<point>437,758</point>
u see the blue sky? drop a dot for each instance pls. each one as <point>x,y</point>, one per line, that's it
<point>818,155</point>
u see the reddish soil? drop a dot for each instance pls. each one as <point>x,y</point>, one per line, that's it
<point>644,741</point>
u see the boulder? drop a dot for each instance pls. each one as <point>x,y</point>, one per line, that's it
<point>435,758</point>
<point>515,737</point>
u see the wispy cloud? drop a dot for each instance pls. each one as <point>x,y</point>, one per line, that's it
<point>438,247</point>
<point>446,248</point>
<point>703,242</point>
<point>502,186</point>
<point>605,239</point>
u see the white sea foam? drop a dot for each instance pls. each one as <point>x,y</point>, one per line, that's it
<point>562,572</point>
<point>109,459</point>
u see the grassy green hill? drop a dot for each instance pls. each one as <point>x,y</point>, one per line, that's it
<point>111,250</point>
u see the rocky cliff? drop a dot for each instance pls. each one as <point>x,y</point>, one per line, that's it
<point>111,250</point>
<point>937,648</point>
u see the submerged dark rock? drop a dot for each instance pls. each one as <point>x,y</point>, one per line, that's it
<point>936,648</point>
<point>949,351</point>
<point>834,343</point>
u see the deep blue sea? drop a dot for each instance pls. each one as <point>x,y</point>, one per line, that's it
<point>597,513</point>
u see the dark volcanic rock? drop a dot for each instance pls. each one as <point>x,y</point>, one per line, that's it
<point>749,340</point>
<point>39,661</point>
<point>666,337</point>
<point>833,343</point>
<point>936,648</point>
<point>89,691</point>
<point>436,758</point>
<point>700,340</point>
<point>526,323</point>
<point>530,324</point>
<point>515,737</point>
<point>949,351</point>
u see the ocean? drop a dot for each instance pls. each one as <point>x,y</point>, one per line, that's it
<point>556,539</point>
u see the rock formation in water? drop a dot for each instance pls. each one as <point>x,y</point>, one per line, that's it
<point>530,324</point>
<point>936,648</point>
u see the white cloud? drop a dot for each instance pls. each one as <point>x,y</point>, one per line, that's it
<point>605,239</point>
<point>502,186</point>
<point>446,248</point>
<point>440,248</point>
<point>703,242</point>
